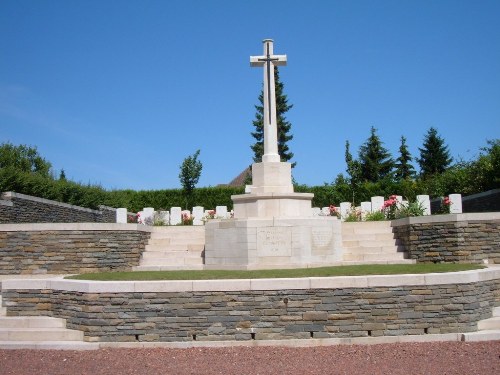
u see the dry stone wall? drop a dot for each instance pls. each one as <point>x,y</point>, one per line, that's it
<point>461,238</point>
<point>70,248</point>
<point>20,208</point>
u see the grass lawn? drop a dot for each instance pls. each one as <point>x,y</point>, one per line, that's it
<point>360,270</point>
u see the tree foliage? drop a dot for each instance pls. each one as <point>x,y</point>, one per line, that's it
<point>434,156</point>
<point>283,125</point>
<point>375,161</point>
<point>403,167</point>
<point>190,172</point>
<point>24,159</point>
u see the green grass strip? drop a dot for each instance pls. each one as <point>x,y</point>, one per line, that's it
<point>358,270</point>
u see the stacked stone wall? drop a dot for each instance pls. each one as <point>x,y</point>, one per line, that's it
<point>263,315</point>
<point>450,238</point>
<point>20,208</point>
<point>70,251</point>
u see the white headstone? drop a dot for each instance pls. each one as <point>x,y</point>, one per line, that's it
<point>248,189</point>
<point>175,215</point>
<point>366,207</point>
<point>221,211</point>
<point>198,212</point>
<point>377,203</point>
<point>325,211</point>
<point>121,215</point>
<point>165,217</point>
<point>399,199</point>
<point>316,211</point>
<point>148,213</point>
<point>425,203</point>
<point>345,208</point>
<point>456,203</point>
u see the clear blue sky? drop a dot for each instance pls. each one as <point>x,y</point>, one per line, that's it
<point>120,92</point>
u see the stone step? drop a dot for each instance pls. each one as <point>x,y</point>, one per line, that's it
<point>40,334</point>
<point>495,311</point>
<point>489,324</point>
<point>490,335</point>
<point>368,236</point>
<point>31,322</point>
<point>171,261</point>
<point>374,249</point>
<point>190,247</point>
<point>3,310</point>
<point>367,227</point>
<point>186,267</point>
<point>49,345</point>
<point>171,254</point>
<point>371,243</point>
<point>373,257</point>
<point>399,261</point>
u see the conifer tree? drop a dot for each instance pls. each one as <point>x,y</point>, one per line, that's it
<point>434,156</point>
<point>376,162</point>
<point>403,167</point>
<point>284,126</point>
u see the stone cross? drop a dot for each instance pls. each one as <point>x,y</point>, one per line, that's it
<point>269,61</point>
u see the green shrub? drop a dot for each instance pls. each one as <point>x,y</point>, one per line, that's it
<point>375,216</point>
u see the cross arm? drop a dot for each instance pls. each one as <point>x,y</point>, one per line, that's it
<point>279,60</point>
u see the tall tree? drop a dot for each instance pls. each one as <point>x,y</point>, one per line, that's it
<point>434,156</point>
<point>190,174</point>
<point>24,159</point>
<point>376,162</point>
<point>403,167</point>
<point>283,125</point>
<point>353,168</point>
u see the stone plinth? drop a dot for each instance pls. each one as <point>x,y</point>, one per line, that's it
<point>260,243</point>
<point>272,205</point>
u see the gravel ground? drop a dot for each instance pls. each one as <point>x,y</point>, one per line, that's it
<point>410,358</point>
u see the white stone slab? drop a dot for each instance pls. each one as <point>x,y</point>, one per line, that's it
<point>147,215</point>
<point>325,211</point>
<point>377,203</point>
<point>345,208</point>
<point>274,241</point>
<point>366,207</point>
<point>425,202</point>
<point>121,215</point>
<point>221,212</point>
<point>221,285</point>
<point>175,215</point>
<point>164,216</point>
<point>316,211</point>
<point>456,203</point>
<point>280,284</point>
<point>198,213</point>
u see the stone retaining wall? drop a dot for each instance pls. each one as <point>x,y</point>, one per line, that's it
<point>20,208</point>
<point>70,248</point>
<point>263,309</point>
<point>456,238</point>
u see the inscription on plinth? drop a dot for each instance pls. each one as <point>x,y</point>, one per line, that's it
<point>321,237</point>
<point>274,242</point>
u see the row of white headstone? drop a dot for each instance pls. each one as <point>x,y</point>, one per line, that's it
<point>175,216</point>
<point>199,214</point>
<point>377,204</point>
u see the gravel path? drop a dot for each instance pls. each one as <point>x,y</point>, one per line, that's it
<point>410,358</point>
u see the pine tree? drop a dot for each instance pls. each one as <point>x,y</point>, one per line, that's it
<point>403,167</point>
<point>190,171</point>
<point>376,162</point>
<point>284,126</point>
<point>434,156</point>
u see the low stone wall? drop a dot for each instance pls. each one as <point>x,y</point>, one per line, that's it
<point>455,238</point>
<point>20,208</point>
<point>336,307</point>
<point>70,248</point>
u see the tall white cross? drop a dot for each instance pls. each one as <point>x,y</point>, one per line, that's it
<point>269,61</point>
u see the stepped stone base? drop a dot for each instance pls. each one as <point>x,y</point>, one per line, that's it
<point>254,243</point>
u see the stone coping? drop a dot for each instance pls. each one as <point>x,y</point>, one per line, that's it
<point>253,196</point>
<point>10,194</point>
<point>234,285</point>
<point>34,227</point>
<point>480,216</point>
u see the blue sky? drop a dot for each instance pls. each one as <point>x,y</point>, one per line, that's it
<point>120,92</point>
